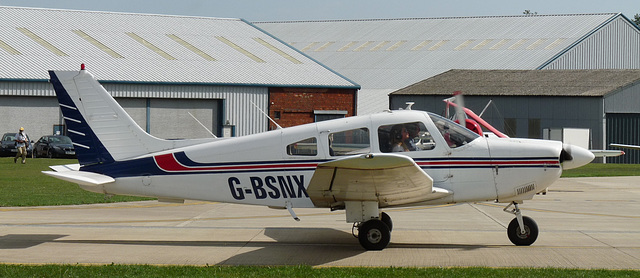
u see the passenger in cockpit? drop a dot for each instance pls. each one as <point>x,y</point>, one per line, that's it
<point>399,135</point>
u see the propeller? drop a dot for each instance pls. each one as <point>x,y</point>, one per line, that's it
<point>573,156</point>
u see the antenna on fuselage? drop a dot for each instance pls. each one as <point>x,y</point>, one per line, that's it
<point>485,108</point>
<point>266,115</point>
<point>409,105</point>
<point>194,117</point>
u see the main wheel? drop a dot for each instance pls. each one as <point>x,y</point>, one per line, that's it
<point>523,239</point>
<point>387,220</point>
<point>374,235</point>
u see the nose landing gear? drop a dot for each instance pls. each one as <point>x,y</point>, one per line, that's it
<point>522,230</point>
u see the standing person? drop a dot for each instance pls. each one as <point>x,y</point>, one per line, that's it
<point>21,144</point>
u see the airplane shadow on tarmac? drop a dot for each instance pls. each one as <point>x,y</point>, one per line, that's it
<point>22,241</point>
<point>292,246</point>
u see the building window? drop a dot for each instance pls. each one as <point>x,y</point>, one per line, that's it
<point>276,115</point>
<point>510,127</point>
<point>324,115</point>
<point>534,129</point>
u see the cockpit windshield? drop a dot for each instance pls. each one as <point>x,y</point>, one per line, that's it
<point>454,134</point>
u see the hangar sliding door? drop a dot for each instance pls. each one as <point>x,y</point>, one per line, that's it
<point>624,128</point>
<point>170,119</point>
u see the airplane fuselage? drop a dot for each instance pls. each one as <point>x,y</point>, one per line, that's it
<point>275,167</point>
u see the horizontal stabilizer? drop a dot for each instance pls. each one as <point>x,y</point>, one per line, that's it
<point>80,177</point>
<point>389,179</point>
<point>65,168</point>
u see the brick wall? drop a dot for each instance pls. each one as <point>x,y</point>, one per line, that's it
<point>295,106</point>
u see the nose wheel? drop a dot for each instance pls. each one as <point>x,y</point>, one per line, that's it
<point>522,230</point>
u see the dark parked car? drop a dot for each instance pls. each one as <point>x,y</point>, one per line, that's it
<point>8,147</point>
<point>54,146</point>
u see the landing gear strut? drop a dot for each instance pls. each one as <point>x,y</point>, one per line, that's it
<point>522,230</point>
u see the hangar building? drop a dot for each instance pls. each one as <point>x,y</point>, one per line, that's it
<point>526,102</point>
<point>163,69</point>
<point>388,54</point>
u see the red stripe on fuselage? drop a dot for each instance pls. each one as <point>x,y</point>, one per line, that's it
<point>169,163</point>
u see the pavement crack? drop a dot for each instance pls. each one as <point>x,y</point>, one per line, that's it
<point>246,244</point>
<point>609,245</point>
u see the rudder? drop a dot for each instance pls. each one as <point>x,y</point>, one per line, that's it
<point>98,126</point>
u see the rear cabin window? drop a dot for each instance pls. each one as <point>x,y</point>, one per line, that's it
<point>349,142</point>
<point>405,137</point>
<point>306,147</point>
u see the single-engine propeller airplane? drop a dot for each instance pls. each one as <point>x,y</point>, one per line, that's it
<point>360,164</point>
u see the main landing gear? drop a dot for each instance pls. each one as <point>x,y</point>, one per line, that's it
<point>373,227</point>
<point>374,234</point>
<point>522,230</point>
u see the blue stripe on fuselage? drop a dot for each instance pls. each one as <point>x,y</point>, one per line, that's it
<point>148,166</point>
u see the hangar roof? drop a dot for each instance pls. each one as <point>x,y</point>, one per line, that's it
<point>383,55</point>
<point>144,48</point>
<point>525,82</point>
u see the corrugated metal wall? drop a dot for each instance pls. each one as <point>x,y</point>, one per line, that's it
<point>614,46</point>
<point>627,100</point>
<point>237,101</point>
<point>624,129</point>
<point>623,122</point>
<point>512,114</point>
<point>14,88</point>
<point>237,106</point>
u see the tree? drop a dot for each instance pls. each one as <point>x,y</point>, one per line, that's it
<point>636,19</point>
<point>529,12</point>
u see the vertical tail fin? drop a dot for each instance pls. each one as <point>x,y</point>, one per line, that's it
<point>98,126</point>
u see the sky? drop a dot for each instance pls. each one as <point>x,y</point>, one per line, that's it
<point>276,10</point>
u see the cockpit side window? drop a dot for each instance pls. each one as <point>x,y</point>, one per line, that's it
<point>405,137</point>
<point>454,134</point>
<point>306,147</point>
<point>349,142</point>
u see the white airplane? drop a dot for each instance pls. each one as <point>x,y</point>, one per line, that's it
<point>348,163</point>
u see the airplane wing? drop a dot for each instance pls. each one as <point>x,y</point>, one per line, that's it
<point>606,153</point>
<point>70,173</point>
<point>389,179</point>
<point>635,147</point>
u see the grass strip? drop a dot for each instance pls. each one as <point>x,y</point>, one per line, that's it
<point>25,185</point>
<point>294,271</point>
<point>603,170</point>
